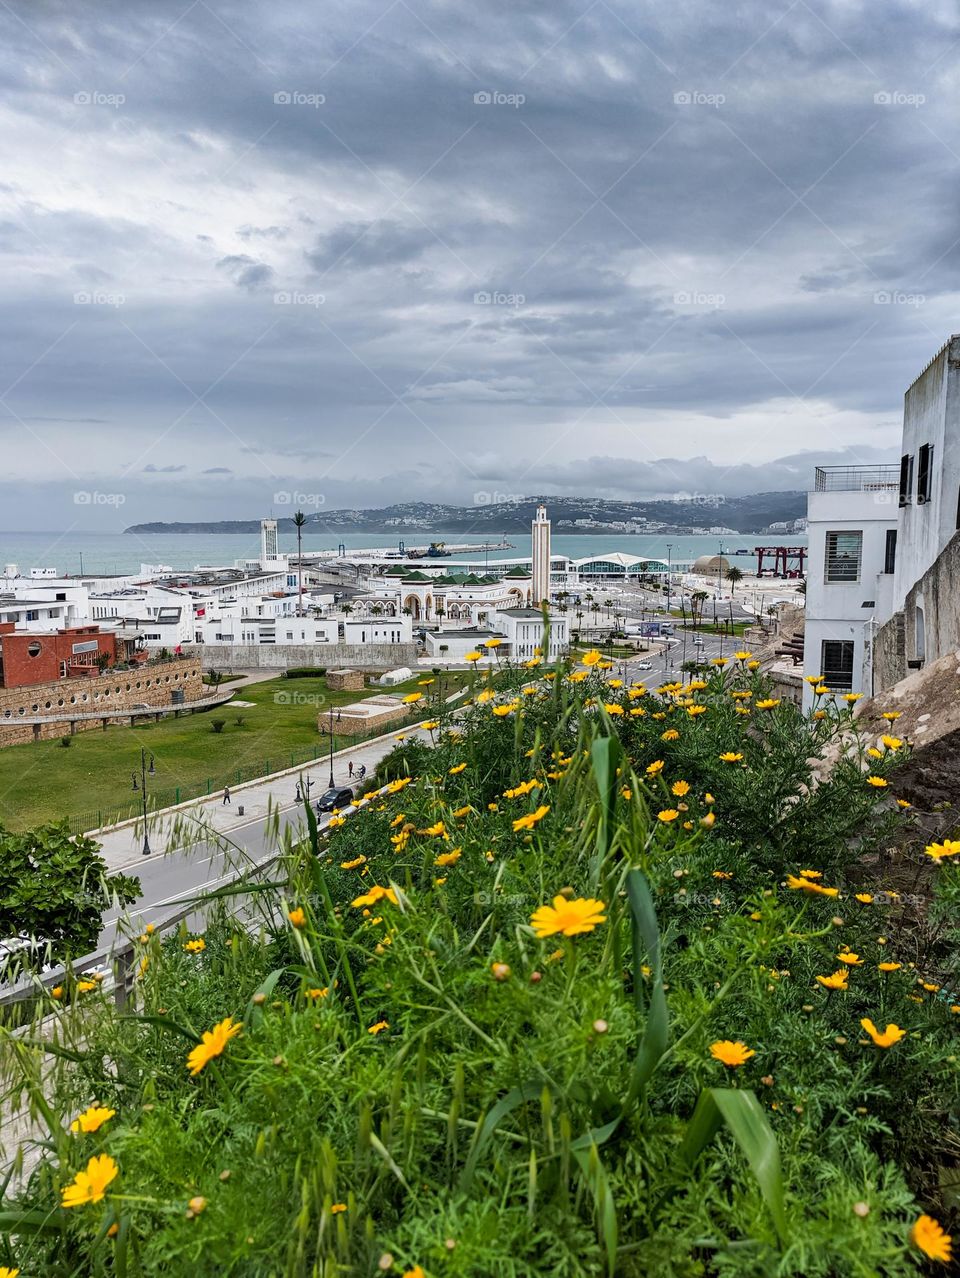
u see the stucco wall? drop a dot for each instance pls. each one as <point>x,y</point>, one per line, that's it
<point>360,656</point>
<point>937,596</point>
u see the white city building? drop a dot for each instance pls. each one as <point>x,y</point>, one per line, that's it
<point>852,536</point>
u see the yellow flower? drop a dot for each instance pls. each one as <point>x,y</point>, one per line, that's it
<point>614,683</point>
<point>502,711</point>
<point>743,656</point>
<point>865,898</point>
<point>877,782</point>
<point>680,788</point>
<point>753,665</point>
<point>437,830</point>
<point>891,716</point>
<point>627,793</point>
<point>412,697</point>
<point>590,658</point>
<point>472,656</point>
<point>668,815</point>
<point>809,886</point>
<point>379,1027</point>
<point>90,1186</point>
<point>813,679</point>
<point>197,1204</point>
<point>297,917</point>
<point>449,858</point>
<point>572,918</point>
<point>902,803</point>
<point>851,959</point>
<point>718,661</point>
<point>838,981</point>
<point>456,769</point>
<point>708,820</point>
<point>397,785</point>
<point>891,743</point>
<point>612,707</point>
<point>731,756</point>
<point>374,895</point>
<point>92,1119</point>
<point>317,993</point>
<point>337,1208</point>
<point>693,711</point>
<point>518,791</point>
<point>819,714</point>
<point>500,971</point>
<point>731,1054</point>
<point>949,847</point>
<point>577,676</point>
<point>359,860</point>
<point>811,874</point>
<point>671,734</point>
<point>722,874</point>
<point>84,987</point>
<point>493,643</point>
<point>654,768</point>
<point>928,1236</point>
<point>850,697</point>
<point>892,1034</point>
<point>530,820</point>
<point>57,992</point>
<point>8,1273</point>
<point>415,1272</point>
<point>889,967</point>
<point>768,704</point>
<point>211,1044</point>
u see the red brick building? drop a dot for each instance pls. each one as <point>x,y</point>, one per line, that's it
<point>41,657</point>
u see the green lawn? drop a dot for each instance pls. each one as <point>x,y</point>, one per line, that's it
<point>42,781</point>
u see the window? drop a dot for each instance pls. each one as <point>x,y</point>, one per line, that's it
<point>836,662</point>
<point>842,560</point>
<point>906,479</point>
<point>924,473</point>
<point>890,551</point>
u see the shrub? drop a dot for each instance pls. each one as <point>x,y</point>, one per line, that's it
<point>217,725</point>
<point>428,1073</point>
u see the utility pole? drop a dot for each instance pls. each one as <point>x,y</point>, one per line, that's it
<point>331,782</point>
<point>144,773</point>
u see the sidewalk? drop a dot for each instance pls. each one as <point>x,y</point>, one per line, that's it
<point>121,847</point>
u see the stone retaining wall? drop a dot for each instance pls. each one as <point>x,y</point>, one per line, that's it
<point>150,685</point>
<point>284,656</point>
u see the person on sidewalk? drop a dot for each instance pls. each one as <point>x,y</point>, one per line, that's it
<point>226,795</point>
<point>350,769</point>
<point>298,797</point>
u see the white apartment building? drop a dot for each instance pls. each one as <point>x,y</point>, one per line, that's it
<point>882,585</point>
<point>377,630</point>
<point>852,534</point>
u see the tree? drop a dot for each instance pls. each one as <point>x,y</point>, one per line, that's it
<point>54,888</point>
<point>697,600</point>
<point>299,520</point>
<point>734,574</point>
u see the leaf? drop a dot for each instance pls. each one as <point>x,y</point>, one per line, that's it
<point>595,1175</point>
<point>646,943</point>
<point>164,1022</point>
<point>506,1105</point>
<point>388,1158</point>
<point>254,1013</point>
<point>30,1222</point>
<point>749,1127</point>
<point>605,756</point>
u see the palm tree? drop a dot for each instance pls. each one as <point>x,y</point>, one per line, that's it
<point>299,520</point>
<point>734,574</point>
<point>696,605</point>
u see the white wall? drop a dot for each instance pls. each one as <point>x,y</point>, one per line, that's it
<point>835,610</point>
<point>378,630</point>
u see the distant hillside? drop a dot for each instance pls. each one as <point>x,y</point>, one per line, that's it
<point>686,513</point>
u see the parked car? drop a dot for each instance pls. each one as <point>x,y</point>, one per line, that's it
<point>338,797</point>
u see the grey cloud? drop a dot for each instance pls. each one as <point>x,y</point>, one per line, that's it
<point>151,469</point>
<point>246,272</point>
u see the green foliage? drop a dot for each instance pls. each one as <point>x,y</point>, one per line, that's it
<point>54,887</point>
<point>423,1080</point>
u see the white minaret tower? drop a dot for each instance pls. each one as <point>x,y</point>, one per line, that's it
<point>269,549</point>
<point>540,531</point>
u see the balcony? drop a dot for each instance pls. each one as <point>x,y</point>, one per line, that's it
<point>860,479</point>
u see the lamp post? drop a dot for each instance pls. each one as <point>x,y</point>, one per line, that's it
<point>144,773</point>
<point>669,566</point>
<point>331,782</point>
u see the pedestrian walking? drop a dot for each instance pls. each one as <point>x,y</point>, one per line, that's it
<point>298,797</point>
<point>226,794</point>
<point>350,769</point>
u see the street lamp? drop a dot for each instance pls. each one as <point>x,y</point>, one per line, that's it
<point>669,566</point>
<point>331,782</point>
<point>144,773</point>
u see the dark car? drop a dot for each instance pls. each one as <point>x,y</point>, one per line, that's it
<point>338,797</point>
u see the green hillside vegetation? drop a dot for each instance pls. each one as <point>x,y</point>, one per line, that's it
<point>602,984</point>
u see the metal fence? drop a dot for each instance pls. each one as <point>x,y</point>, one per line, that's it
<point>832,479</point>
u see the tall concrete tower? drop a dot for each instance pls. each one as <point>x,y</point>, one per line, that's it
<point>269,550</point>
<point>540,531</point>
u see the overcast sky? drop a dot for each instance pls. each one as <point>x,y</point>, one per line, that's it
<point>386,250</point>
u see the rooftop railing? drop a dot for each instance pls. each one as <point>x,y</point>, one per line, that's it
<point>834,479</point>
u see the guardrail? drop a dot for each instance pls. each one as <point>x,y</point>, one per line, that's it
<point>833,479</point>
